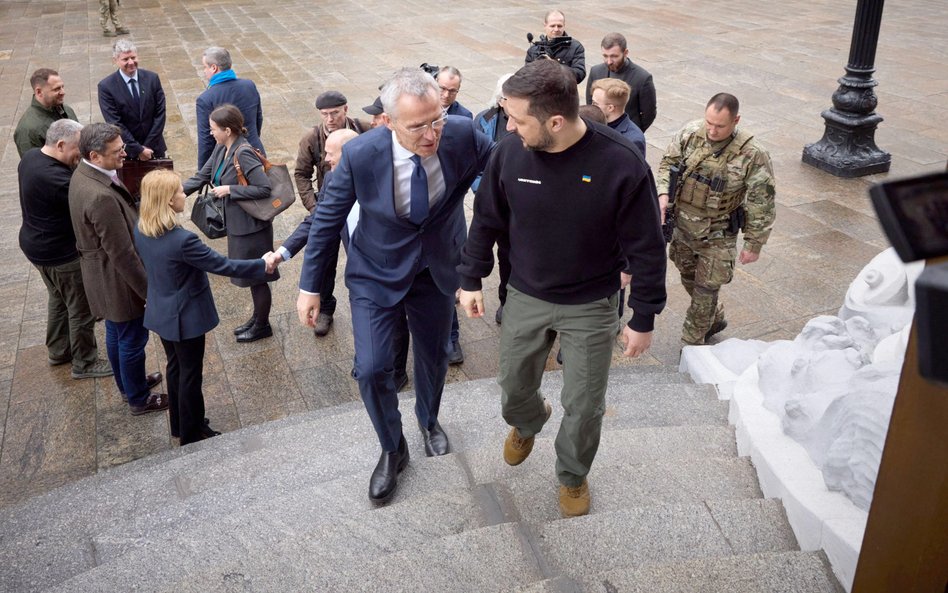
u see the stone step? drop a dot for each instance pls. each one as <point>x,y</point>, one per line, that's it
<point>417,546</point>
<point>775,572</point>
<point>770,572</point>
<point>584,547</point>
<point>471,415</point>
<point>75,547</point>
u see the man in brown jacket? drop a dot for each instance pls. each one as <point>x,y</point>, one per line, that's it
<point>334,109</point>
<point>103,218</point>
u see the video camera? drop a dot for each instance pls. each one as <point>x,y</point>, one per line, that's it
<point>432,70</point>
<point>914,215</point>
<point>546,47</point>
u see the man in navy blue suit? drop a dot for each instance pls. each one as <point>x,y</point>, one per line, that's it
<point>409,179</point>
<point>223,86</point>
<point>132,99</point>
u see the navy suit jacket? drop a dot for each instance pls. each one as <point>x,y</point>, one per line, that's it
<point>625,126</point>
<point>241,93</point>
<point>140,127</point>
<point>457,109</point>
<point>387,251</point>
<point>180,305</point>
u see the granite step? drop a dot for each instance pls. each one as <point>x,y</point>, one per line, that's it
<point>249,458</point>
<point>769,572</point>
<point>774,572</point>
<point>393,548</point>
<point>652,451</point>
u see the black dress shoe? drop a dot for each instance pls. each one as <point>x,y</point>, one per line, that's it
<point>385,475</point>
<point>243,327</point>
<point>153,379</point>
<point>206,431</point>
<point>436,441</point>
<point>256,332</point>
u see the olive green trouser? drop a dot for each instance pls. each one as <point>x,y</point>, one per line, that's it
<point>705,267</point>
<point>70,326</point>
<point>587,336</point>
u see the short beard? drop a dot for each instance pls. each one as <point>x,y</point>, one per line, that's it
<point>545,142</point>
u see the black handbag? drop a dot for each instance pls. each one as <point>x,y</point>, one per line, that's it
<point>282,195</point>
<point>207,214</point>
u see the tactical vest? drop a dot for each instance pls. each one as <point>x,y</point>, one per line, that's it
<point>704,191</point>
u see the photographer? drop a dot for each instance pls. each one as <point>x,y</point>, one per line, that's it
<point>555,44</point>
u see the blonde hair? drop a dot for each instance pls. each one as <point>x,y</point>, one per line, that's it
<point>617,91</point>
<point>156,217</point>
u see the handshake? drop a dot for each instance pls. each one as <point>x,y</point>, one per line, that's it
<point>273,261</point>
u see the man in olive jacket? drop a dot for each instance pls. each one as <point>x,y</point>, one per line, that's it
<point>103,218</point>
<point>46,107</point>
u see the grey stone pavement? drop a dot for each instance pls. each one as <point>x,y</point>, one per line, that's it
<point>782,59</point>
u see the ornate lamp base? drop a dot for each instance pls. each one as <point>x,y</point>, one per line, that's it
<point>848,147</point>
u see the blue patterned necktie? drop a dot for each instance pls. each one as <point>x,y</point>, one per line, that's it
<point>419,192</point>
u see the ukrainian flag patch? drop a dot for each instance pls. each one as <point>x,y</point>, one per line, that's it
<point>587,179</point>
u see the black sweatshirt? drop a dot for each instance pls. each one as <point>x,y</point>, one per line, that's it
<point>46,236</point>
<point>575,220</point>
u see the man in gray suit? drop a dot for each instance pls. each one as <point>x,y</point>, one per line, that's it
<point>103,218</point>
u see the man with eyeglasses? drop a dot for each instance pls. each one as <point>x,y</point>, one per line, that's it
<point>333,107</point>
<point>577,205</point>
<point>103,218</point>
<point>409,179</point>
<point>449,80</point>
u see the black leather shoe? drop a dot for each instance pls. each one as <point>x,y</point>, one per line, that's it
<point>256,332</point>
<point>243,327</point>
<point>455,354</point>
<point>153,379</point>
<point>436,441</point>
<point>385,475</point>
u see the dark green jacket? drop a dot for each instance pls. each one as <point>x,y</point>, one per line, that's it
<point>31,130</point>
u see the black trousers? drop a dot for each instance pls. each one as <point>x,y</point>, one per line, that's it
<point>185,376</point>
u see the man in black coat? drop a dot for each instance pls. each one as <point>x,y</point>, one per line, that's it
<point>642,106</point>
<point>132,99</point>
<point>557,45</point>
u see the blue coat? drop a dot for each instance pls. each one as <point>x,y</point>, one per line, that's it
<point>241,93</point>
<point>140,127</point>
<point>385,251</point>
<point>625,126</point>
<point>179,304</point>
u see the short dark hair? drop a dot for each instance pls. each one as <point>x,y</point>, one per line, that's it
<point>95,137</point>
<point>549,86</point>
<point>41,77</point>
<point>592,112</point>
<point>725,101</point>
<point>614,39</point>
<point>228,117</point>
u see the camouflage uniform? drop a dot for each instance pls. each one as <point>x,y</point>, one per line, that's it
<point>108,11</point>
<point>717,179</point>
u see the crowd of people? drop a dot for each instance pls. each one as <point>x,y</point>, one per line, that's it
<point>562,190</point>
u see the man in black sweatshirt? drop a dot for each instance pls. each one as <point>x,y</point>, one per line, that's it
<point>577,203</point>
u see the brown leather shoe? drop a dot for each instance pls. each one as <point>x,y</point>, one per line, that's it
<point>156,402</point>
<point>574,502</point>
<point>517,448</point>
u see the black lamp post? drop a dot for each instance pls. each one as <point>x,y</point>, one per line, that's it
<point>848,147</point>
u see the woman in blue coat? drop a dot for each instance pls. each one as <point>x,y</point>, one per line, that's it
<point>179,305</point>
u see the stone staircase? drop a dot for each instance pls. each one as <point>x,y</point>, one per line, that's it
<point>283,507</point>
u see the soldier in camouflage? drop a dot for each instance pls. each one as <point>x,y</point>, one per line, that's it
<point>726,184</point>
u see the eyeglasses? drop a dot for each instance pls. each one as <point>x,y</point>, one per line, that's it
<point>435,125</point>
<point>449,92</point>
<point>120,150</point>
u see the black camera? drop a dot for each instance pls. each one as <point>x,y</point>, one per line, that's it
<point>546,47</point>
<point>914,215</point>
<point>432,70</point>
